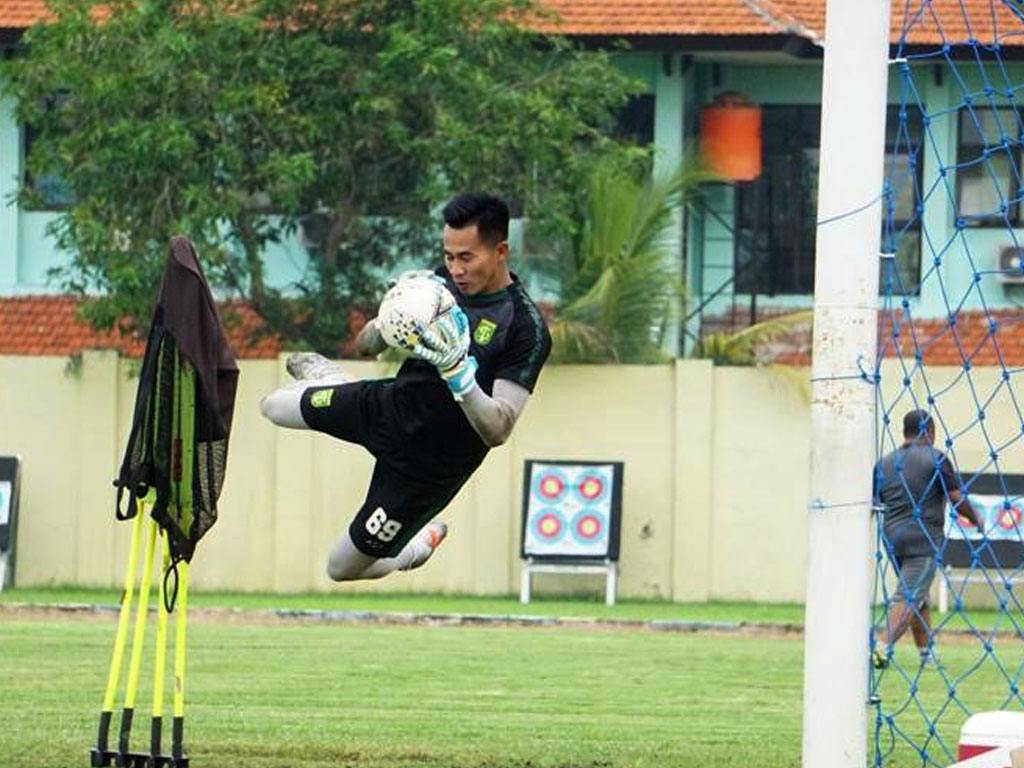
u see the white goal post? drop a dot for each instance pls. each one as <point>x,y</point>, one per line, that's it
<point>854,85</point>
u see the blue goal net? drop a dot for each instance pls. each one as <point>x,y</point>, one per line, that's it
<point>947,636</point>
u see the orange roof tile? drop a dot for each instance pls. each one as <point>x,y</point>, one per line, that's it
<point>975,339</point>
<point>655,17</point>
<point>923,21</point>
<point>49,325</point>
<point>972,339</point>
<point>21,14</point>
<point>926,21</point>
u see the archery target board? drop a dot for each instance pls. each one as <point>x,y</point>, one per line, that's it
<point>571,509</point>
<point>10,472</point>
<point>999,502</point>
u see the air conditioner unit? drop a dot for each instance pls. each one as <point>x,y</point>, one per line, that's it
<point>1011,265</point>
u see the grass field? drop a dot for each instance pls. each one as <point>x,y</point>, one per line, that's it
<point>268,693</point>
<point>733,612</point>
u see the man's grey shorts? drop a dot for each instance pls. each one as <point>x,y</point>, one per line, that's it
<point>916,576</point>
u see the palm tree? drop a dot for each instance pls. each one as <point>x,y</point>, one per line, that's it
<point>742,347</point>
<point>616,302</point>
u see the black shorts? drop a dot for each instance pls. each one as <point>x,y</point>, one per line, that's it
<point>399,502</point>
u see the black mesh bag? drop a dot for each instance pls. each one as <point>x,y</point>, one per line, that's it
<point>184,403</point>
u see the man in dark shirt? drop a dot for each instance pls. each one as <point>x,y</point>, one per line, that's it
<point>911,486</point>
<point>431,426</point>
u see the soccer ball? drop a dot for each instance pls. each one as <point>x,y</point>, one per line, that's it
<point>412,304</point>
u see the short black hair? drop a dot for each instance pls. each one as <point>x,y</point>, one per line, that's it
<point>916,423</point>
<point>487,211</point>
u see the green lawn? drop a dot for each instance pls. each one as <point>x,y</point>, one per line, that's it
<point>725,613</point>
<point>729,612</point>
<point>308,694</point>
<point>269,694</point>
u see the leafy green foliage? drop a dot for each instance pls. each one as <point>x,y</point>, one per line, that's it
<point>742,347</point>
<point>618,299</point>
<point>238,123</point>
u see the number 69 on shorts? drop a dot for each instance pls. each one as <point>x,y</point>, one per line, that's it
<point>377,524</point>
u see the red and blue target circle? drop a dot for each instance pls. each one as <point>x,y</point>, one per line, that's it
<point>1009,519</point>
<point>550,485</point>
<point>549,525</point>
<point>591,487</point>
<point>588,526</point>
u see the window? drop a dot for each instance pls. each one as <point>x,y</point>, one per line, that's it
<point>988,166</point>
<point>635,121</point>
<point>901,221</point>
<point>51,191</point>
<point>776,215</point>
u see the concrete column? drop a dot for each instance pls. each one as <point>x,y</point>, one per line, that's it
<point>668,139</point>
<point>692,500</point>
<point>492,521</point>
<point>294,478</point>
<point>97,464</point>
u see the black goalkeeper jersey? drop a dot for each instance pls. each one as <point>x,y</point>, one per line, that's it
<point>509,339</point>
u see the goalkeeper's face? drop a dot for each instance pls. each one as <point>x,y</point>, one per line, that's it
<point>475,265</point>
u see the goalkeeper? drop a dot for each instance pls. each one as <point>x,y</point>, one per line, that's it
<point>431,426</point>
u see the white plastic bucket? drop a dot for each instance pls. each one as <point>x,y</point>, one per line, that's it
<point>986,731</point>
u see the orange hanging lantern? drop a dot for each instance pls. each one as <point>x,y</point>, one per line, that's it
<point>730,137</point>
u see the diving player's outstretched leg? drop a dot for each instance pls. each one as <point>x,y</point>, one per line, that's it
<point>283,406</point>
<point>346,563</point>
<point>314,367</point>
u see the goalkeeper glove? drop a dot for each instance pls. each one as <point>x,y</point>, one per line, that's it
<point>461,377</point>
<point>445,342</point>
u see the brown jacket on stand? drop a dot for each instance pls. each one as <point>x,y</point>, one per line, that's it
<point>187,362</point>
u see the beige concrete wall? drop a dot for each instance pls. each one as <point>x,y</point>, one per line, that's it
<point>760,484</point>
<point>714,499</point>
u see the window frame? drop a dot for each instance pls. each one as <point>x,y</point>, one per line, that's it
<point>914,223</point>
<point>635,120</point>
<point>1015,213</point>
<point>812,113</point>
<point>27,138</point>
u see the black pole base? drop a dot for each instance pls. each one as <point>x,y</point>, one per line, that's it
<point>147,760</point>
<point>98,758</point>
<point>101,758</point>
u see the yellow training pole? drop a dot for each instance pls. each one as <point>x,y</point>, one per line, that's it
<point>177,748</point>
<point>161,657</point>
<point>99,756</point>
<point>137,640</point>
<point>185,432</point>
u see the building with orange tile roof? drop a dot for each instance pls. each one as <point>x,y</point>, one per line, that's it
<point>747,250</point>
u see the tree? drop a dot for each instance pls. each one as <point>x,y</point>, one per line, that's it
<point>746,346</point>
<point>238,123</point>
<point>618,295</point>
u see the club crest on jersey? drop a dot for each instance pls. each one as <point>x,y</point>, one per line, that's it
<point>484,332</point>
<point>321,398</point>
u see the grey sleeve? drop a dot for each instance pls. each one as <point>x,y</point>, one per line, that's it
<point>950,479</point>
<point>493,417</point>
<point>369,342</point>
